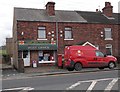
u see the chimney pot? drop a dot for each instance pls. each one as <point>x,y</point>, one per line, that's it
<point>107,4</point>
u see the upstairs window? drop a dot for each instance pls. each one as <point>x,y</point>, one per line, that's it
<point>108,34</point>
<point>41,32</point>
<point>68,33</point>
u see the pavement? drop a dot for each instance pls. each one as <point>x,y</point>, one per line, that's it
<point>7,71</point>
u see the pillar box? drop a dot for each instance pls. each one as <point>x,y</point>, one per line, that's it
<point>59,60</point>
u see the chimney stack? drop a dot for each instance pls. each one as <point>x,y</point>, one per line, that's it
<point>50,8</point>
<point>108,9</point>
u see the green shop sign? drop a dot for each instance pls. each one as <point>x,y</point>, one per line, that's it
<point>37,47</point>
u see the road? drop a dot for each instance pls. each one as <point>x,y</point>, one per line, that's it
<point>101,80</point>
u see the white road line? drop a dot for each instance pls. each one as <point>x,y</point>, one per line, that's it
<point>73,86</point>
<point>28,88</point>
<point>91,86</point>
<point>20,88</point>
<point>14,88</point>
<point>98,80</point>
<point>111,84</point>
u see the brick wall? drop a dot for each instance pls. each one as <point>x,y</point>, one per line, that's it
<point>81,32</point>
<point>119,43</point>
<point>9,46</point>
<point>30,30</point>
<point>33,57</point>
<point>91,33</point>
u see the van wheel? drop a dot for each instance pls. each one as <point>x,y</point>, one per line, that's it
<point>78,67</point>
<point>111,65</point>
<point>70,69</point>
<point>101,68</point>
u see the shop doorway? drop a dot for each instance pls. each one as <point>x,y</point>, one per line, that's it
<point>26,57</point>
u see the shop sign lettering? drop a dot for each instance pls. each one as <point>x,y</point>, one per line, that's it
<point>38,47</point>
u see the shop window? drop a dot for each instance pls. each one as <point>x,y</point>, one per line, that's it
<point>40,55</point>
<point>45,56</point>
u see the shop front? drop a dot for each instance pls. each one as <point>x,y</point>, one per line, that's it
<point>38,54</point>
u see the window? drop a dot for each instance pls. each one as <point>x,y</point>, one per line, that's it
<point>99,54</point>
<point>108,34</point>
<point>46,56</point>
<point>108,49</point>
<point>41,32</point>
<point>68,33</point>
<point>25,54</point>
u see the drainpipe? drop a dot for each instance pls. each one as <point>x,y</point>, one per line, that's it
<point>57,34</point>
<point>57,41</point>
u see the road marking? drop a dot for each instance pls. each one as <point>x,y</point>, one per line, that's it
<point>28,88</point>
<point>91,86</point>
<point>111,84</point>
<point>20,88</point>
<point>99,80</point>
<point>14,89</point>
<point>73,86</point>
<point>93,83</point>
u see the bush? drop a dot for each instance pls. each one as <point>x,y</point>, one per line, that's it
<point>6,58</point>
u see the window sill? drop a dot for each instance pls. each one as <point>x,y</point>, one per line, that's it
<point>108,39</point>
<point>68,39</point>
<point>41,39</point>
<point>46,61</point>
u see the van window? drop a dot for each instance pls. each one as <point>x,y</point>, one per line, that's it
<point>99,54</point>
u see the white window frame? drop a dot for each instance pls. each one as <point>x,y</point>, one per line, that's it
<point>109,46</point>
<point>42,28</point>
<point>70,30</point>
<point>110,33</point>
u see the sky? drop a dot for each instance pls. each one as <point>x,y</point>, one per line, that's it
<point>7,7</point>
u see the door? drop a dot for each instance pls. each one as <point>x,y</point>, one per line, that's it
<point>90,57</point>
<point>94,58</point>
<point>100,59</point>
<point>26,58</point>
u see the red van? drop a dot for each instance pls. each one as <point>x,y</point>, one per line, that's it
<point>78,57</point>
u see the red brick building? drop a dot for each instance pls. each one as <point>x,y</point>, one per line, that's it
<point>41,34</point>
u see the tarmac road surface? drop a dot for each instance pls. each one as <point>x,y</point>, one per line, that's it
<point>100,80</point>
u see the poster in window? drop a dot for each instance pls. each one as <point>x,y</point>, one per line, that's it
<point>40,53</point>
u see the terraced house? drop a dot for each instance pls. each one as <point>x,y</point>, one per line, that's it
<point>41,34</point>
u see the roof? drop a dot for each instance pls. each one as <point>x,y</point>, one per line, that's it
<point>99,17</point>
<point>87,47</point>
<point>28,14</point>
